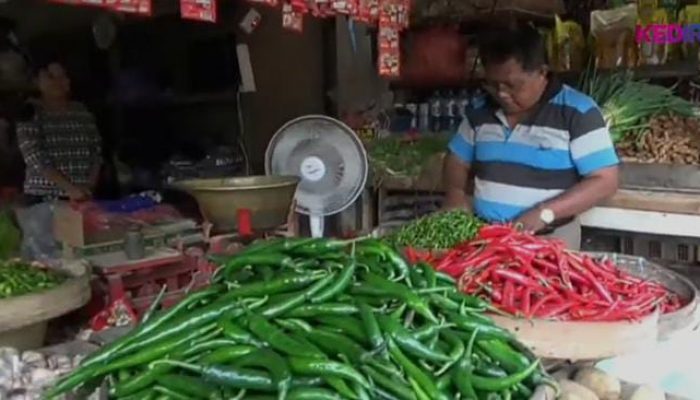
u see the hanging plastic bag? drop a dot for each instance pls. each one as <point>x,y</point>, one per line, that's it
<point>10,237</point>
<point>613,32</point>
<point>38,243</point>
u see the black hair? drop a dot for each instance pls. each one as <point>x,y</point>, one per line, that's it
<point>43,61</point>
<point>519,41</point>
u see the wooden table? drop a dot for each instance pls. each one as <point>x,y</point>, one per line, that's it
<point>653,212</point>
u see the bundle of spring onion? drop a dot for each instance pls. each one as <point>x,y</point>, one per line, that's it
<point>628,104</point>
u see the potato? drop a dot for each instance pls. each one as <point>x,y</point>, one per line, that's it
<point>605,386</point>
<point>571,390</point>
<point>645,392</point>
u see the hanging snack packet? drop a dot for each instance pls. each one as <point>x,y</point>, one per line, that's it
<point>292,19</point>
<point>690,15</point>
<point>198,10</point>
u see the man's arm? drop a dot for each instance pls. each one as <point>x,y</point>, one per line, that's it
<point>455,173</point>
<point>595,159</point>
<point>455,170</point>
<point>585,195</point>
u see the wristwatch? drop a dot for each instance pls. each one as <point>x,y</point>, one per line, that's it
<point>547,216</point>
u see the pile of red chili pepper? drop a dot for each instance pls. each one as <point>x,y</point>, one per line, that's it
<point>533,277</point>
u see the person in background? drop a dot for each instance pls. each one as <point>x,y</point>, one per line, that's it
<point>59,141</point>
<point>540,151</point>
<point>61,147</point>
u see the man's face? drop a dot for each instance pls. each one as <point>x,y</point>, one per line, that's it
<point>53,81</point>
<point>515,89</point>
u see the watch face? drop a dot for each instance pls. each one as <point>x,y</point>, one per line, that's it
<point>547,216</point>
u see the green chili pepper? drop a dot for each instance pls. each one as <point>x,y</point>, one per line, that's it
<point>463,370</point>
<point>349,326</point>
<point>444,382</point>
<point>227,354</point>
<point>341,387</point>
<point>238,378</point>
<point>429,274</point>
<point>190,387</point>
<point>456,353</point>
<point>316,367</point>
<point>156,322</point>
<point>236,333</point>
<point>371,326</point>
<point>277,309</point>
<point>421,378</point>
<point>207,345</point>
<point>472,324</point>
<point>499,384</point>
<point>285,283</point>
<point>336,343</point>
<point>313,310</point>
<point>170,394</point>
<point>272,362</point>
<point>313,394</point>
<point>279,340</point>
<point>397,388</point>
<point>511,360</point>
<point>147,355</point>
<point>407,342</point>
<point>262,258</point>
<point>413,301</point>
<point>339,286</point>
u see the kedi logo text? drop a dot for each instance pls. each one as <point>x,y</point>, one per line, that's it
<point>668,33</point>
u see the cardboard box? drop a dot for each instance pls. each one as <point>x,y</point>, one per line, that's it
<point>69,228</point>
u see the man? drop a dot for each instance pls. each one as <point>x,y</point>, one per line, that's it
<point>62,152</point>
<point>540,154</point>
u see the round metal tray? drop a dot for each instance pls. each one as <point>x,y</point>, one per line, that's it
<point>683,320</point>
<point>269,199</point>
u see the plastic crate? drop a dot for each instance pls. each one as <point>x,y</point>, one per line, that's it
<point>140,282</point>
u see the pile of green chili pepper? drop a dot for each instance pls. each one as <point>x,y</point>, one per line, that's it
<point>316,319</point>
<point>18,278</point>
<point>442,230</point>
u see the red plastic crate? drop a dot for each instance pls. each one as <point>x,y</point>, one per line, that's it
<point>140,282</point>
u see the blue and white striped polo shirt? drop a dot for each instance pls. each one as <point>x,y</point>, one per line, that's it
<point>515,169</point>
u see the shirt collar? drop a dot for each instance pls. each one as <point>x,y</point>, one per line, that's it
<point>554,86</point>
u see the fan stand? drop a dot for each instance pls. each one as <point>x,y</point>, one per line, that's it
<point>313,169</point>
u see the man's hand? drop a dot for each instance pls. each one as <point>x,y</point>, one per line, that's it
<point>455,200</point>
<point>78,193</point>
<point>531,221</point>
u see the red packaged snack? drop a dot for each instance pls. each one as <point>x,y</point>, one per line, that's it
<point>141,7</point>
<point>271,3</point>
<point>292,19</point>
<point>198,10</point>
<point>98,3</point>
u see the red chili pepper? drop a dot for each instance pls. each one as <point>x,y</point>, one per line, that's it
<point>513,276</point>
<point>554,310</point>
<point>524,274</point>
<point>494,231</point>
<point>541,302</point>
<point>509,295</point>
<point>526,302</point>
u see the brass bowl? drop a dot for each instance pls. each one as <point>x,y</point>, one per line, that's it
<point>269,199</point>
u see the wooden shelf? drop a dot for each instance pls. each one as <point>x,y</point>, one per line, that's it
<point>680,69</point>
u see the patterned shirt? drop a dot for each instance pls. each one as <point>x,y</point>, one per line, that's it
<point>67,141</point>
<point>517,168</point>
